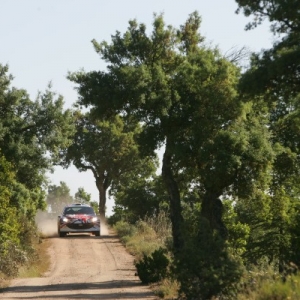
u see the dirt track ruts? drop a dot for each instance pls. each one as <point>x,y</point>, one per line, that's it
<point>84,267</point>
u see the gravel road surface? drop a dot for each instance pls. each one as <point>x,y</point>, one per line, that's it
<point>84,267</point>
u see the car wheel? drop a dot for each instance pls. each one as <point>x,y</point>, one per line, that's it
<point>97,233</point>
<point>62,234</point>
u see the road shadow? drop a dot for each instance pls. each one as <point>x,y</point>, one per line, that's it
<point>121,289</point>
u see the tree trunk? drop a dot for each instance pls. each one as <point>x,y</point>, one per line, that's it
<point>102,185</point>
<point>174,198</point>
<point>212,210</point>
<point>102,201</point>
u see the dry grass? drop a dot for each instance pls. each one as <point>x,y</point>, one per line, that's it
<point>144,238</point>
<point>166,289</point>
<point>40,264</point>
<point>4,282</point>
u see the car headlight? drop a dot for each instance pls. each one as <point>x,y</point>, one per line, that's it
<point>65,219</point>
<point>94,219</point>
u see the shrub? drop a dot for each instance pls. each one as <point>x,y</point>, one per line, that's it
<point>124,229</point>
<point>153,268</point>
<point>11,258</point>
<point>204,267</point>
<point>265,283</point>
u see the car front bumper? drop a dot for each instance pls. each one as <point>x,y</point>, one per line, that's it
<point>78,226</point>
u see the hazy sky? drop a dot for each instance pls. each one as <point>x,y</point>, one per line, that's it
<point>42,40</point>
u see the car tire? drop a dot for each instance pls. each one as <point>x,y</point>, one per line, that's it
<point>97,233</point>
<point>62,234</point>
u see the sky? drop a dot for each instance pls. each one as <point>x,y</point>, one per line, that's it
<point>43,40</point>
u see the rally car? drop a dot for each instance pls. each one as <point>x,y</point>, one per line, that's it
<point>78,218</point>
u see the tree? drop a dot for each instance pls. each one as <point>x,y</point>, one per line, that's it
<point>273,77</point>
<point>283,14</point>
<point>33,133</point>
<point>107,148</point>
<point>274,72</point>
<point>139,197</point>
<point>58,197</point>
<point>9,226</point>
<point>185,96</point>
<point>81,196</point>
<point>33,136</point>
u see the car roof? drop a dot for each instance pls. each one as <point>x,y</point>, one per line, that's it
<point>78,204</point>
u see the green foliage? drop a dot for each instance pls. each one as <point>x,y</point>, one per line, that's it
<point>138,196</point>
<point>58,197</point>
<point>17,229</point>
<point>154,267</point>
<point>273,81</point>
<point>142,240</point>
<point>33,133</point>
<point>154,231</point>
<point>11,258</point>
<point>204,267</point>
<point>143,233</point>
<point>284,15</point>
<point>217,142</point>
<point>265,283</point>
<point>28,234</point>
<point>107,147</point>
<point>33,136</point>
<point>238,232</point>
<point>161,224</point>
<point>81,196</point>
<point>94,205</point>
<point>124,229</point>
<point>9,227</point>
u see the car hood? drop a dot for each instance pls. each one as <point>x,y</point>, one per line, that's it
<point>80,217</point>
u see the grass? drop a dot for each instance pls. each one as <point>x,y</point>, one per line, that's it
<point>41,264</point>
<point>150,234</point>
<point>272,287</point>
<point>144,238</point>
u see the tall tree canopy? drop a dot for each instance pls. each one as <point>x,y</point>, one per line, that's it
<point>81,196</point>
<point>184,96</point>
<point>58,197</point>
<point>273,77</point>
<point>283,14</point>
<point>33,136</point>
<point>33,133</point>
<point>107,148</point>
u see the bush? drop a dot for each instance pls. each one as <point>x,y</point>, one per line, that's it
<point>265,283</point>
<point>153,268</point>
<point>124,229</point>
<point>11,258</point>
<point>161,224</point>
<point>204,267</point>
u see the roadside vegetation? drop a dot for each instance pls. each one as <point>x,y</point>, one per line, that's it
<point>149,241</point>
<point>217,217</point>
<point>33,261</point>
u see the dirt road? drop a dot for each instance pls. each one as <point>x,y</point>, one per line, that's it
<point>84,267</point>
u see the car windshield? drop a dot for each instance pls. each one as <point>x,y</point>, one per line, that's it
<point>79,210</point>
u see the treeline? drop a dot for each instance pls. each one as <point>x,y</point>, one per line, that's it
<point>229,140</point>
<point>32,136</point>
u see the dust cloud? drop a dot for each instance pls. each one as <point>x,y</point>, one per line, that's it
<point>46,223</point>
<point>104,227</point>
